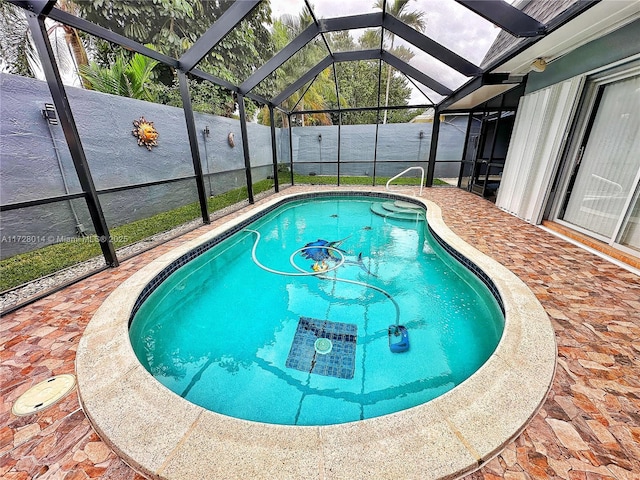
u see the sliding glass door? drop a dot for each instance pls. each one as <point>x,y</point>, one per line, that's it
<point>602,191</point>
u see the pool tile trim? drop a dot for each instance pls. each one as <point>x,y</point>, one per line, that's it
<point>452,435</point>
<point>206,246</point>
<point>472,267</point>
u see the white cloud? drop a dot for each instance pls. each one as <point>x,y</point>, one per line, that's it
<point>322,8</point>
<point>448,23</point>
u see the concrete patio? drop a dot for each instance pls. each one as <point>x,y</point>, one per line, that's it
<point>588,428</point>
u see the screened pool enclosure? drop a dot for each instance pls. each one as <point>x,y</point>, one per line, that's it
<point>157,114</point>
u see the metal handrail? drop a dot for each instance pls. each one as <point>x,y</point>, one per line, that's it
<point>405,171</point>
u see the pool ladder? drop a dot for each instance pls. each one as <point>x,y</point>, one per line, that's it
<point>405,171</point>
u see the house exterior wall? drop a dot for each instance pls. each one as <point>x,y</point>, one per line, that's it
<point>545,117</point>
<point>614,47</point>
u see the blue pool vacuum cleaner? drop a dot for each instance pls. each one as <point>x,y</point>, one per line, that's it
<point>398,338</point>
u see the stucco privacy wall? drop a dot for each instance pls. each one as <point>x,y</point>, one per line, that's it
<point>397,146</point>
<point>35,160</point>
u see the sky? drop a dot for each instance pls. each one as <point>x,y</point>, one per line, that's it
<point>448,23</point>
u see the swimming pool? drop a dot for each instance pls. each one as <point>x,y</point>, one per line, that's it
<point>294,318</point>
<point>167,437</point>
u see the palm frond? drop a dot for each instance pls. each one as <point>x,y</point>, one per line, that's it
<point>16,48</point>
<point>126,78</point>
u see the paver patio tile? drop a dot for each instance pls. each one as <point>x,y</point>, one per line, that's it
<point>587,429</point>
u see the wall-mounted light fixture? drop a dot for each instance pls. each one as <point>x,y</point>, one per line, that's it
<point>49,113</point>
<point>538,65</point>
<point>320,137</point>
<point>206,131</point>
<point>421,134</point>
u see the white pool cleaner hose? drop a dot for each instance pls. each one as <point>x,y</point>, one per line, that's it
<point>318,274</point>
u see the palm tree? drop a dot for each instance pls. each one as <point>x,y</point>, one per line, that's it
<point>126,78</point>
<point>285,30</point>
<point>18,53</point>
<point>72,37</point>
<point>414,19</point>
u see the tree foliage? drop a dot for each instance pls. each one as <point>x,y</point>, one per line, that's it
<point>359,82</point>
<point>415,19</point>
<point>124,77</point>
<point>173,26</point>
<point>205,97</point>
<point>315,96</point>
<point>18,54</point>
<point>15,44</point>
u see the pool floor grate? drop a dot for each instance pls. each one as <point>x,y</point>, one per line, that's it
<point>338,362</point>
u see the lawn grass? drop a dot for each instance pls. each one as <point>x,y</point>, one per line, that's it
<point>285,178</point>
<point>25,267</point>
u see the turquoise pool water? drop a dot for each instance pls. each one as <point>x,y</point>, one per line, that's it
<point>229,334</point>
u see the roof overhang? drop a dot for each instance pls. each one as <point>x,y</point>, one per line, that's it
<point>478,97</point>
<point>596,22</point>
<point>480,90</point>
<point>592,20</point>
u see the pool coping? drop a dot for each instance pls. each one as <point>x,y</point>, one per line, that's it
<point>166,437</point>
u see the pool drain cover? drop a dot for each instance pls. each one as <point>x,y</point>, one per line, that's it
<point>43,395</point>
<point>324,348</point>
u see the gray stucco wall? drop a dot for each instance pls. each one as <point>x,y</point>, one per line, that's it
<point>399,146</point>
<point>35,162</point>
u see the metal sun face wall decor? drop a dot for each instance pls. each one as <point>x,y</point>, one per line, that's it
<point>145,132</point>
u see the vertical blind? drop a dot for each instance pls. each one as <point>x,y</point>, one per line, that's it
<point>631,234</point>
<point>539,135</point>
<point>608,173</point>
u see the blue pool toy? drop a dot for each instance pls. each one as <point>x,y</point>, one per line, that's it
<point>318,250</point>
<point>398,331</point>
<point>322,250</point>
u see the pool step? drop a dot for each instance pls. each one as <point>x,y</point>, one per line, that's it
<point>408,206</point>
<point>398,210</point>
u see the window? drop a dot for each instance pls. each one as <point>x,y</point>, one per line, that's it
<point>603,188</point>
